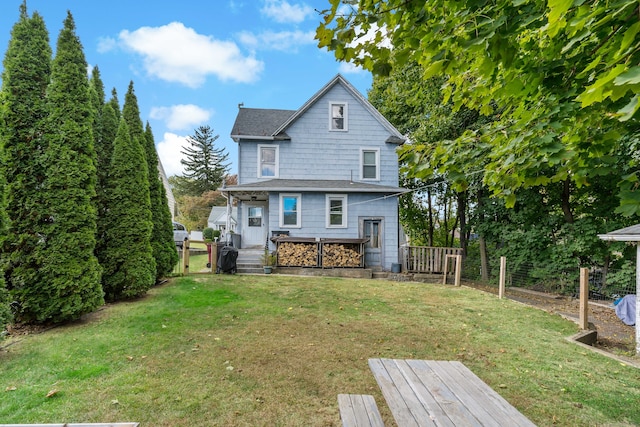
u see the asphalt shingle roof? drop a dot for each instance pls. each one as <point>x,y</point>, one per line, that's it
<point>259,122</point>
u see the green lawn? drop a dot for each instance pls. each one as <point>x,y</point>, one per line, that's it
<point>223,350</point>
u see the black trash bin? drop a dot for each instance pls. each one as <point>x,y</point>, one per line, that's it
<point>227,260</point>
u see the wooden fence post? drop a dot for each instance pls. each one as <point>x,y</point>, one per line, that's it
<point>446,267</point>
<point>214,257</point>
<point>185,257</point>
<point>503,276</point>
<point>584,299</point>
<point>458,270</point>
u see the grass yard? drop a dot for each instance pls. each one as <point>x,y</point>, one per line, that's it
<point>222,350</point>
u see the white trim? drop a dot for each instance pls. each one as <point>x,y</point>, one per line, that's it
<point>298,223</point>
<point>277,160</point>
<point>377,152</point>
<point>343,198</point>
<point>345,116</point>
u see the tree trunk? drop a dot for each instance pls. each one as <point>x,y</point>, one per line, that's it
<point>462,215</point>
<point>566,202</point>
<point>430,218</point>
<point>484,259</point>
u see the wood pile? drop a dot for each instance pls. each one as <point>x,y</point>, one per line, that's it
<point>292,254</point>
<point>340,255</point>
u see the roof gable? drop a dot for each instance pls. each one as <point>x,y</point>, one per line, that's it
<point>271,124</point>
<point>396,136</point>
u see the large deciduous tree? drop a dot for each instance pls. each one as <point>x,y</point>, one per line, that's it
<point>26,74</point>
<point>562,75</point>
<point>70,273</point>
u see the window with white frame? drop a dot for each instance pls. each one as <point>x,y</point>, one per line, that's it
<point>267,161</point>
<point>290,211</point>
<point>336,211</point>
<point>370,164</point>
<point>338,116</point>
<point>255,216</point>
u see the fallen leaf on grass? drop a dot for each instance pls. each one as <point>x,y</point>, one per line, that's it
<point>11,388</point>
<point>52,393</point>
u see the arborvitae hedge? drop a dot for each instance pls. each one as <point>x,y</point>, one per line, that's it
<point>26,74</point>
<point>164,248</point>
<point>129,267</point>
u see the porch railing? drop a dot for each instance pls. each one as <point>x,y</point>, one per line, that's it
<point>427,259</point>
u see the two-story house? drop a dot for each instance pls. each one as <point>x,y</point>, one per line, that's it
<point>328,170</point>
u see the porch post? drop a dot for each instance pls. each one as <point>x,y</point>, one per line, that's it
<point>637,297</point>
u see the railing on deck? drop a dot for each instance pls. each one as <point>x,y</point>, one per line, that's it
<point>427,259</point>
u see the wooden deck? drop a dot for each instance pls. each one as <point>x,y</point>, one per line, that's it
<point>441,393</point>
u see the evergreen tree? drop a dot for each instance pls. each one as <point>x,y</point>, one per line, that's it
<point>129,267</point>
<point>115,104</point>
<point>70,284</point>
<point>205,165</point>
<point>164,248</point>
<point>105,129</point>
<point>27,70</point>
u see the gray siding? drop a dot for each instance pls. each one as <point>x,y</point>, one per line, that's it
<point>314,152</point>
<point>359,206</point>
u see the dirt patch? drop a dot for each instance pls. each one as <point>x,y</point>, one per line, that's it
<point>613,335</point>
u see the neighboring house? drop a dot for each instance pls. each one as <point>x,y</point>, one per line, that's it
<point>328,170</point>
<point>218,219</point>
<point>173,207</point>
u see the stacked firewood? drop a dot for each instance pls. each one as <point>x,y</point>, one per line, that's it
<point>339,255</point>
<point>297,254</point>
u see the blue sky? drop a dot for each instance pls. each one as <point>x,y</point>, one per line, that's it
<point>193,61</point>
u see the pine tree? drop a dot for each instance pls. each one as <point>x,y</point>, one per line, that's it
<point>27,71</point>
<point>205,165</point>
<point>129,267</point>
<point>164,248</point>
<point>70,284</point>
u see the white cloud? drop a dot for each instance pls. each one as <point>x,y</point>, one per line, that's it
<point>169,151</point>
<point>287,41</point>
<point>181,117</point>
<point>176,53</point>
<point>106,44</point>
<point>349,68</point>
<point>282,11</point>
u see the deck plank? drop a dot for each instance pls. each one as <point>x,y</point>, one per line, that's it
<point>443,393</point>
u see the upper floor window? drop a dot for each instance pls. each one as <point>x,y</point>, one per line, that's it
<point>370,164</point>
<point>338,116</point>
<point>336,211</point>
<point>267,161</point>
<point>290,211</point>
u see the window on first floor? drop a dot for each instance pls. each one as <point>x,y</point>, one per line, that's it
<point>290,210</point>
<point>336,211</point>
<point>255,216</point>
<point>371,231</point>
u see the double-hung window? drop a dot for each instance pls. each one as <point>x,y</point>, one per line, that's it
<point>267,161</point>
<point>336,211</point>
<point>338,117</point>
<point>370,164</point>
<point>290,211</point>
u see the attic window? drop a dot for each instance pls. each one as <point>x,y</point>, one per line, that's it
<point>338,116</point>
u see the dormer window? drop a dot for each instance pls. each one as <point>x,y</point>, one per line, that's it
<point>338,116</point>
<point>267,161</point>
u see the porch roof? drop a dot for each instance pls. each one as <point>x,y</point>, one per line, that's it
<point>313,186</point>
<point>628,234</point>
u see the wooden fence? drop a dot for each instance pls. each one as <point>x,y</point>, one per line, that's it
<point>427,259</point>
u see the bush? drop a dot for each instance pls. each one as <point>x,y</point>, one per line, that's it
<point>207,233</point>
